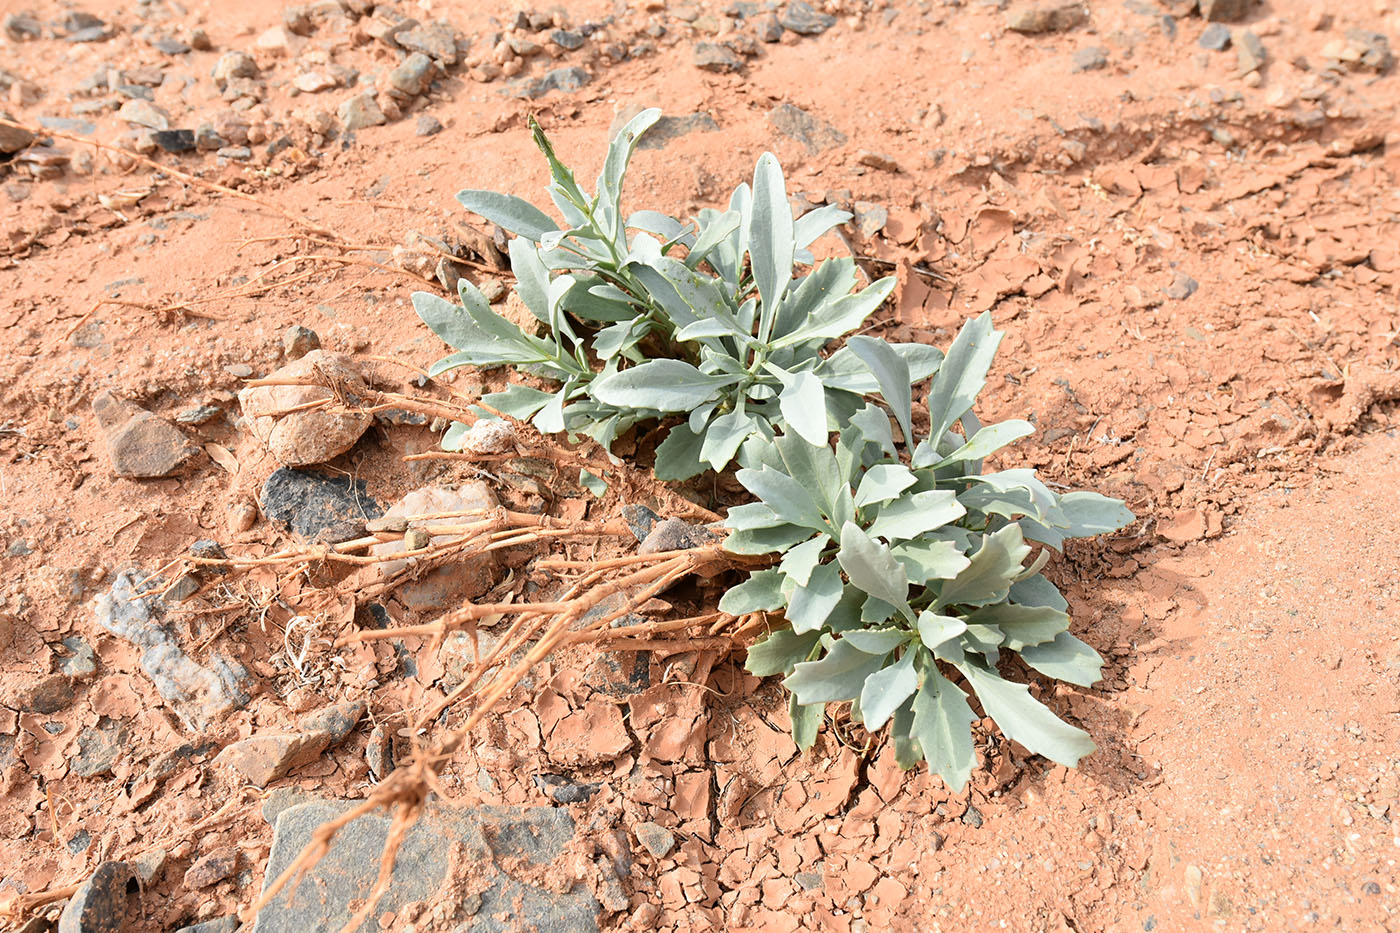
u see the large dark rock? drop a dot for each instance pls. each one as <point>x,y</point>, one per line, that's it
<point>108,902</point>
<point>491,902</point>
<point>309,503</point>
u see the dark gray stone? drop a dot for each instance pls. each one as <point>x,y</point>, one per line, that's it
<point>220,925</point>
<point>1216,38</point>
<point>106,903</point>
<point>1182,287</point>
<point>47,694</point>
<point>675,534</point>
<point>560,79</point>
<point>562,789</point>
<point>413,74</point>
<point>1374,49</point>
<point>658,839</point>
<point>436,40</point>
<point>81,664</point>
<point>198,695</point>
<point>170,45</point>
<point>99,747</point>
<point>567,39</point>
<point>90,34</point>
<point>23,28</point>
<point>309,502</point>
<point>1224,11</point>
<point>667,129</point>
<point>640,519</point>
<point>768,29</point>
<point>174,140</point>
<point>800,18</point>
<point>798,124</point>
<point>478,836</point>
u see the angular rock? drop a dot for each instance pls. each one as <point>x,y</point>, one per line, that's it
<point>768,29</point>
<point>1090,58</point>
<point>799,17</point>
<point>437,40</point>
<point>13,138</point>
<point>640,520</point>
<point>442,587</point>
<point>658,839</point>
<point>303,437</point>
<point>1362,50</point>
<point>567,39</point>
<point>150,864</point>
<point>1036,18</point>
<point>326,897</point>
<point>175,140</point>
<point>798,124</point>
<point>81,664</point>
<point>710,56</point>
<point>487,436</point>
<point>47,694</point>
<point>198,695</point>
<point>387,23</point>
<point>144,113</point>
<point>234,65</point>
<point>675,534</point>
<point>1216,38</point>
<point>334,722</point>
<point>262,759</point>
<point>870,218</point>
<point>413,75</point>
<point>560,79</point>
<point>1181,287</point>
<point>310,503</point>
<point>108,902</point>
<point>212,868</point>
<point>1250,50</point>
<point>427,125</point>
<point>141,445</point>
<point>359,112</point>
<point>21,27</point>
<point>1224,11</point>
<point>313,82</point>
<point>563,789</point>
<point>218,925</point>
<point>169,45</point>
<point>379,752</point>
<point>99,747</point>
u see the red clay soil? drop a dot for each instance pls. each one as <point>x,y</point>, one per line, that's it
<point>1197,271</point>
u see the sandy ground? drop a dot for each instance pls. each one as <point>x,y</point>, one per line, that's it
<point>1197,272</point>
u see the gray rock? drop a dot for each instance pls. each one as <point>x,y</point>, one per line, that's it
<point>972,817</point>
<point>334,722</point>
<point>78,20</point>
<point>658,839</point>
<point>768,29</point>
<point>212,868</point>
<point>674,534</point>
<point>1216,38</point>
<point>640,520</point>
<point>870,218</point>
<point>798,124</point>
<point>140,444</point>
<point>387,23</point>
<point>799,17</point>
<point>563,789</point>
<point>297,341</point>
<point>99,747</point>
<point>235,153</point>
<point>1371,50</point>
<point>1091,58</point>
<point>1224,11</point>
<point>1036,18</point>
<point>1250,50</point>
<point>308,502</point>
<point>711,56</point>
<point>175,140</point>
<point>359,112</point>
<point>199,414</point>
<point>149,864</point>
<point>197,694</point>
<point>90,34</point>
<point>219,925</point>
<point>234,65</point>
<point>808,880</point>
<point>108,902</point>
<point>379,752</point>
<point>68,125</point>
<point>144,113</point>
<point>284,798</point>
<point>560,79</point>
<point>170,45</point>
<point>321,903</point>
<point>13,138</point>
<point>207,138</point>
<point>81,664</point>
<point>567,39</point>
<point>428,125</point>
<point>436,40</point>
<point>1181,287</point>
<point>47,694</point>
<point>413,75</point>
<point>22,27</point>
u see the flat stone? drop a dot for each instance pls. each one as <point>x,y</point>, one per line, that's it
<point>218,925</point>
<point>150,864</point>
<point>360,111</point>
<point>81,664</point>
<point>799,17</point>
<point>108,902</point>
<point>436,40</point>
<point>1250,51</point>
<point>442,836</point>
<point>67,125</point>
<point>334,722</point>
<point>446,586</point>
<point>798,124</point>
<point>284,798</point>
<point>235,153</point>
<point>313,82</point>
<point>379,752</point>
<point>1090,58</point>
<point>308,502</point>
<point>567,39</point>
<point>144,113</point>
<point>1182,287</point>
<point>877,160</point>
<point>413,75</point>
<point>174,140</point>
<point>667,129</point>
<point>90,34</point>
<point>304,437</point>
<point>262,759</point>
<point>14,138</point>
<point>870,218</point>
<point>562,789</point>
<point>212,868</point>
<point>1224,11</point>
<point>141,445</point>
<point>198,695</point>
<point>560,79</point>
<point>46,694</point>
<point>1036,18</point>
<point>658,839</point>
<point>1216,38</point>
<point>711,56</point>
<point>675,534</point>
<point>98,748</point>
<point>169,45</point>
<point>427,125</point>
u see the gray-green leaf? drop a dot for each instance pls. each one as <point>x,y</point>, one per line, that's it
<point>1025,719</point>
<point>887,689</point>
<point>837,677</point>
<point>872,567</point>
<point>942,727</point>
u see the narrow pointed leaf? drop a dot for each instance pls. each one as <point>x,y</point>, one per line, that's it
<point>892,373</point>
<point>1025,719</point>
<point>962,374</point>
<point>513,214</point>
<point>780,652</point>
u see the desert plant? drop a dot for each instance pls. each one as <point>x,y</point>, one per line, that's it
<point>897,570</point>
<point>648,317</point>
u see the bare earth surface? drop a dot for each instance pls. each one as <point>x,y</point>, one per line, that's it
<point>1196,264</point>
